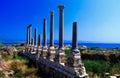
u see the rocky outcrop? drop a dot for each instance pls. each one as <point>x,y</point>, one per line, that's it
<point>4,69</point>
<point>10,50</point>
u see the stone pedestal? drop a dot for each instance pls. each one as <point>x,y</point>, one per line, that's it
<point>39,49</point>
<point>44,52</point>
<point>60,56</point>
<point>51,53</point>
<point>74,61</point>
<point>29,48</point>
<point>35,50</point>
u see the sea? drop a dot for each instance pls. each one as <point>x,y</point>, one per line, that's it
<point>88,44</point>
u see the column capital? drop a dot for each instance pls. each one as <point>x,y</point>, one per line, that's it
<point>61,7</point>
<point>30,25</point>
<point>51,12</point>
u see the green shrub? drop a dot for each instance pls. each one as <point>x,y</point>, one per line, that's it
<point>1,45</point>
<point>1,74</point>
<point>67,52</point>
<point>98,67</point>
<point>94,48</point>
<point>18,72</point>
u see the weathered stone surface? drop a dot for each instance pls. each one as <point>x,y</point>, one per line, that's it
<point>60,54</point>
<point>74,59</point>
<point>10,50</point>
<point>44,47</point>
<point>51,49</point>
<point>4,69</point>
<point>51,53</point>
<point>61,25</point>
<point>39,47</point>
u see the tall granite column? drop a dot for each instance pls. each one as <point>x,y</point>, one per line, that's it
<point>30,35</point>
<point>61,25</point>
<point>39,40</point>
<point>51,50</point>
<point>44,32</point>
<point>60,55</point>
<point>39,46</point>
<point>74,36</point>
<point>32,46</point>
<point>44,48</point>
<point>35,36</point>
<point>27,39</point>
<point>74,59</point>
<point>51,28</point>
<point>35,41</point>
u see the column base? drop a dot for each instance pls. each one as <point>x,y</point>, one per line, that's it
<point>39,51</point>
<point>74,61</point>
<point>44,52</point>
<point>60,56</point>
<point>29,48</point>
<point>51,53</point>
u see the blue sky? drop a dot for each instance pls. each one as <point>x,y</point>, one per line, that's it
<point>98,20</point>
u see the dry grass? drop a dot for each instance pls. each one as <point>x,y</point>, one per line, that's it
<point>20,67</point>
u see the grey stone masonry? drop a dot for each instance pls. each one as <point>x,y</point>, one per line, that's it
<point>39,49</point>
<point>35,36</point>
<point>44,32</point>
<point>74,60</point>
<point>29,35</point>
<point>39,40</point>
<point>74,37</point>
<point>51,28</point>
<point>35,41</point>
<point>32,45</point>
<point>27,39</point>
<point>44,47</point>
<point>61,25</point>
<point>51,49</point>
<point>60,54</point>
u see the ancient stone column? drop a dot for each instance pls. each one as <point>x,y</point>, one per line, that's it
<point>51,50</point>
<point>74,36</point>
<point>35,41</point>
<point>44,33</point>
<point>60,55</point>
<point>61,25</point>
<point>39,40</point>
<point>74,59</point>
<point>39,46</point>
<point>35,36</point>
<point>51,28</point>
<point>30,35</point>
<point>44,49</point>
<point>27,39</point>
<point>32,45</point>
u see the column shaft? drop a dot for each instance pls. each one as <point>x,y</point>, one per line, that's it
<point>30,33</point>
<point>51,28</point>
<point>74,36</point>
<point>44,33</point>
<point>35,36</point>
<point>27,38</point>
<point>61,25</point>
<point>39,40</point>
